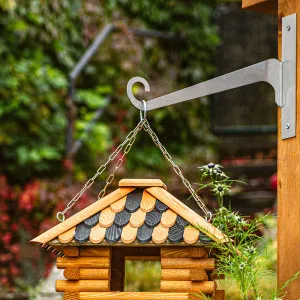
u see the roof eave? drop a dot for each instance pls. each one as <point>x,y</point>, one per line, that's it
<point>81,215</point>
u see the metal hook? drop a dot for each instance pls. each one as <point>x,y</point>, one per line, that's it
<point>208,217</point>
<point>137,103</point>
<point>143,112</point>
<point>60,216</point>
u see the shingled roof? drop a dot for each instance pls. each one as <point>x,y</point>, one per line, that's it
<point>139,212</point>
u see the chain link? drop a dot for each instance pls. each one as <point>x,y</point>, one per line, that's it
<point>177,170</point>
<point>126,145</point>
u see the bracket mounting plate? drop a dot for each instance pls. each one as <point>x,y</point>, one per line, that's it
<point>280,75</point>
<point>289,58</point>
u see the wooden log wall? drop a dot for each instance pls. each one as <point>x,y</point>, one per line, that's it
<point>187,270</point>
<point>129,296</point>
<point>219,295</point>
<point>87,269</point>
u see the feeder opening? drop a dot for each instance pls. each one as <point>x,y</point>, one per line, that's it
<point>142,275</point>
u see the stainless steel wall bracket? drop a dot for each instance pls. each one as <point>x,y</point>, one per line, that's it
<point>289,71</point>
<point>280,75</point>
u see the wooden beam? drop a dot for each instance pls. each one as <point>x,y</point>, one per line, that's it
<point>265,6</point>
<point>183,263</point>
<point>82,285</point>
<point>71,296</point>
<point>86,274</point>
<point>184,275</point>
<point>141,183</point>
<point>206,287</point>
<point>289,178</point>
<point>71,251</point>
<point>134,296</point>
<point>83,262</point>
<point>95,251</point>
<point>193,252</point>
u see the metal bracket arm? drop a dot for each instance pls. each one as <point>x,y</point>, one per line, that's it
<point>268,71</point>
<point>280,75</point>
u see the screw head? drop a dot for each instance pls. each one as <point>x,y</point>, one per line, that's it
<point>288,27</point>
<point>287,126</point>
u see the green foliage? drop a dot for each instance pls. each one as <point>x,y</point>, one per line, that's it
<point>142,276</point>
<point>242,258</point>
<point>32,120</point>
<point>191,62</point>
<point>40,43</point>
<point>32,87</point>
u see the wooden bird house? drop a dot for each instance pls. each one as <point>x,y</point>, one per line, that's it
<point>139,221</point>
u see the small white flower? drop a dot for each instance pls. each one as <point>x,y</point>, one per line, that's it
<point>212,169</point>
<point>242,265</point>
<point>220,189</point>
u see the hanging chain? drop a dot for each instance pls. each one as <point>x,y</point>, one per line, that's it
<point>126,145</point>
<point>198,199</point>
<point>120,160</point>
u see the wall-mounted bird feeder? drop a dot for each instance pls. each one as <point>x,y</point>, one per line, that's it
<point>144,215</point>
<point>139,221</point>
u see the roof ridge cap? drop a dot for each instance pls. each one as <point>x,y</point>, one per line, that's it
<point>141,183</point>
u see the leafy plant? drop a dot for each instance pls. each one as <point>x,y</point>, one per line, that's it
<point>241,258</point>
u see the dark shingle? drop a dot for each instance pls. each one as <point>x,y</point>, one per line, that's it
<point>160,206</point>
<point>175,234</point>
<point>182,223</point>
<point>133,200</point>
<point>153,218</point>
<point>205,239</point>
<point>144,234</point>
<point>122,218</point>
<point>92,221</point>
<point>82,233</point>
<point>113,234</point>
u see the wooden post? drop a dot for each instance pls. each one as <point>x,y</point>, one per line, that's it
<point>288,179</point>
<point>288,165</point>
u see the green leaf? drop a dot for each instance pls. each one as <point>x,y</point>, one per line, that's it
<point>49,153</point>
<point>90,98</point>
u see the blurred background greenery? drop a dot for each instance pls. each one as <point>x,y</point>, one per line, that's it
<point>40,43</point>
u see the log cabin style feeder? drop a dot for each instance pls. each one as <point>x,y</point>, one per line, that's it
<point>140,220</point>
